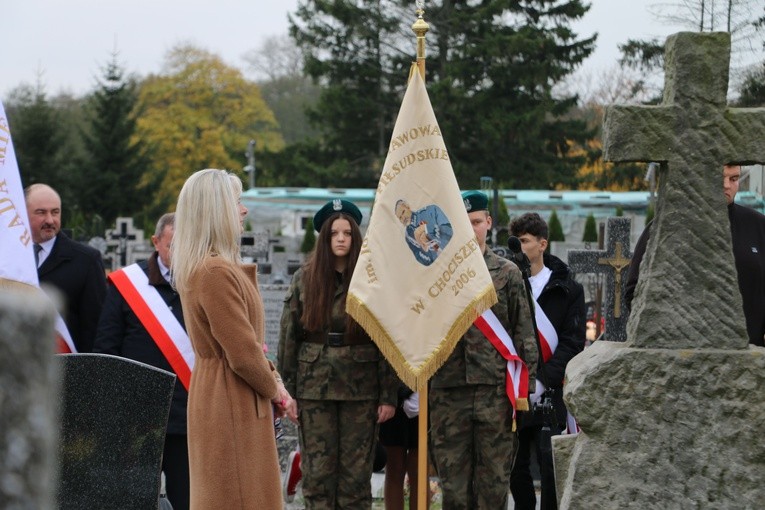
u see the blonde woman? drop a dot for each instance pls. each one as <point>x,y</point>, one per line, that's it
<point>233,460</point>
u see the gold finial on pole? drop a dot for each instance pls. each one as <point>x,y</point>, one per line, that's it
<point>420,28</point>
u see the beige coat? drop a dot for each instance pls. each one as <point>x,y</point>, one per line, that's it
<point>232,450</point>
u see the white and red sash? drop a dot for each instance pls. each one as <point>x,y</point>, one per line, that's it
<point>548,337</point>
<point>548,340</point>
<point>156,317</point>
<point>64,343</point>
<point>517,377</point>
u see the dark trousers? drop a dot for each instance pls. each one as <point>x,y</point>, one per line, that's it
<point>175,464</point>
<point>521,483</point>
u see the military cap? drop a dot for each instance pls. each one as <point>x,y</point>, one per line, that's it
<point>334,206</point>
<point>475,201</point>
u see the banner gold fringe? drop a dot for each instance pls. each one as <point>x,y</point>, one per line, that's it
<point>522,404</point>
<point>416,377</point>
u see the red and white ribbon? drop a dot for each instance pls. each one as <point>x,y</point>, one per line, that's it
<point>517,379</point>
<point>156,317</point>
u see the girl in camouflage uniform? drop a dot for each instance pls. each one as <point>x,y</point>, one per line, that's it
<point>342,384</point>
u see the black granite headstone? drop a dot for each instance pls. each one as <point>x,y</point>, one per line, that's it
<point>113,424</point>
<point>613,262</point>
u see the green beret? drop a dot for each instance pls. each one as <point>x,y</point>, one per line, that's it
<point>475,201</point>
<point>335,206</point>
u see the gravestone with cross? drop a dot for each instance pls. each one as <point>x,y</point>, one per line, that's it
<point>670,417</point>
<point>123,239</point>
<point>613,262</point>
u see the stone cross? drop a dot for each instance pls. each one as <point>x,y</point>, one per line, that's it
<point>613,262</point>
<point>670,417</point>
<point>692,134</point>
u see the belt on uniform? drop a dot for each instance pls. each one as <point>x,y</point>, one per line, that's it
<point>336,339</point>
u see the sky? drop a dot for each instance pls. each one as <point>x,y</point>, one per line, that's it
<point>66,42</point>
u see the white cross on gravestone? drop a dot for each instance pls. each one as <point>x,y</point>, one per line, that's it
<point>123,239</point>
<point>670,418</point>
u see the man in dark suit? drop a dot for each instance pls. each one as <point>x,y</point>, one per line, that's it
<point>74,269</point>
<point>122,332</point>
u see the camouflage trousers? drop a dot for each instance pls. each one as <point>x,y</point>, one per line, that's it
<point>337,445</point>
<point>472,445</point>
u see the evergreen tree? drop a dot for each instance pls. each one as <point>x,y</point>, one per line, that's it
<point>350,47</point>
<point>619,211</point>
<point>491,73</point>
<point>649,213</point>
<point>111,178</point>
<point>309,239</point>
<point>555,229</point>
<point>37,137</point>
<point>590,230</point>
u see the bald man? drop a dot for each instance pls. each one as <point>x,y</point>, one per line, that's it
<point>74,269</point>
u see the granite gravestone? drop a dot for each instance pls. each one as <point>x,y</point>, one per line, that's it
<point>29,383</point>
<point>671,418</point>
<point>273,304</point>
<point>113,423</point>
<point>613,262</point>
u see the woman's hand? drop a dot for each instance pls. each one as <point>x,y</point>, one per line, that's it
<point>282,401</point>
<point>385,412</point>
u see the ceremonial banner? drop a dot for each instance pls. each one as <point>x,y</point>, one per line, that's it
<point>420,280</point>
<point>17,259</point>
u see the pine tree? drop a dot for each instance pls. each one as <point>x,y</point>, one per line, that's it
<point>619,211</point>
<point>649,213</point>
<point>492,68</point>
<point>309,239</point>
<point>555,229</point>
<point>492,78</point>
<point>111,177</point>
<point>37,136</point>
<point>590,230</point>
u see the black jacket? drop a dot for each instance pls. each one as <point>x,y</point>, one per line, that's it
<point>121,333</point>
<point>562,300</point>
<point>77,271</point>
<point>747,229</point>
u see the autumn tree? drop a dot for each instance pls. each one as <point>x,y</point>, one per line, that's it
<point>199,113</point>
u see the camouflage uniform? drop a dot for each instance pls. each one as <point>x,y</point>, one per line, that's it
<point>338,390</point>
<point>471,437</point>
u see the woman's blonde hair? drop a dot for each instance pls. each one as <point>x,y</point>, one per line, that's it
<point>206,222</point>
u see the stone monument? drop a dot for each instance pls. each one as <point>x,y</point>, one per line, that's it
<point>113,420</point>
<point>671,418</point>
<point>29,383</point>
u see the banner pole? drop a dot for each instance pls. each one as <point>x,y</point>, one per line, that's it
<point>422,448</point>
<point>420,28</point>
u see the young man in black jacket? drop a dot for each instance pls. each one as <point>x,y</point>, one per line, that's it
<point>560,318</point>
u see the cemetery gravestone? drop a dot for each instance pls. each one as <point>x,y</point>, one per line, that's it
<point>613,262</point>
<point>670,419</point>
<point>124,239</point>
<point>273,304</point>
<point>113,423</point>
<point>29,382</point>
